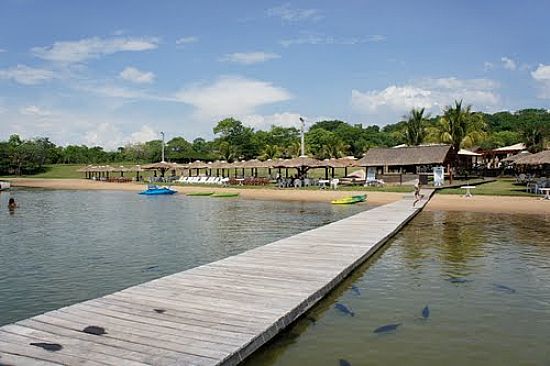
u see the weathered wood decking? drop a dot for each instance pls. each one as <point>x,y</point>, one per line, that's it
<point>214,314</point>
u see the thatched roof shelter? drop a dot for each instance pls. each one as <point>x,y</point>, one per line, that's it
<point>161,165</point>
<point>541,158</point>
<point>198,165</point>
<point>404,156</point>
<point>300,162</point>
<point>341,162</point>
<point>511,148</point>
<point>513,158</point>
<point>219,164</point>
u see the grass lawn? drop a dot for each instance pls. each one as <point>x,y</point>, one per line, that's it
<point>500,187</point>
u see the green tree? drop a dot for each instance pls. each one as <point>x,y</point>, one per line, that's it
<point>415,127</point>
<point>459,126</point>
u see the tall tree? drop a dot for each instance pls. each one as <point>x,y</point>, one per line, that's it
<point>459,126</point>
<point>415,127</point>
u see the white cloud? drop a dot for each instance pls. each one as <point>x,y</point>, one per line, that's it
<point>26,75</point>
<point>488,66</point>
<point>432,94</point>
<point>95,47</point>
<point>320,39</point>
<point>289,14</point>
<point>231,96</point>
<point>542,73</point>
<point>285,119</point>
<point>2,50</point>
<point>136,76</point>
<point>542,76</point>
<point>508,63</point>
<point>249,58</point>
<point>186,40</point>
<point>145,134</point>
<point>33,110</point>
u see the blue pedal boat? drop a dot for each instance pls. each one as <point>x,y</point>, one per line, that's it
<point>156,190</point>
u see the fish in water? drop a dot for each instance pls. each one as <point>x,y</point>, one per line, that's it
<point>426,312</point>
<point>505,289</point>
<point>160,311</point>
<point>356,290</point>
<point>387,328</point>
<point>342,362</point>
<point>458,280</point>
<point>344,309</point>
<point>52,347</point>
<point>95,330</point>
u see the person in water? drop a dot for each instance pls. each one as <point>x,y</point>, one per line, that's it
<point>11,204</point>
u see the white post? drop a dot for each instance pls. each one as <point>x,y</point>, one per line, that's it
<point>162,133</point>
<point>302,145</point>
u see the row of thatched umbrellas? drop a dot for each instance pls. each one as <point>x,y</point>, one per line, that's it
<point>302,163</point>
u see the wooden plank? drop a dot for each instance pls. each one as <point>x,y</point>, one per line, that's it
<point>214,314</point>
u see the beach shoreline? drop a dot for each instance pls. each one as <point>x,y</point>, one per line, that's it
<point>477,203</point>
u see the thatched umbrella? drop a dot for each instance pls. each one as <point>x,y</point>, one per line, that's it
<point>513,158</point>
<point>198,165</point>
<point>219,164</point>
<point>162,166</point>
<point>541,158</point>
<point>301,163</point>
<point>346,162</point>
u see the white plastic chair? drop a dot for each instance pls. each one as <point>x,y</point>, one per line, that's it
<point>334,183</point>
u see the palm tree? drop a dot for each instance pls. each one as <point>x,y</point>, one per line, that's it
<point>459,126</point>
<point>533,136</point>
<point>226,151</point>
<point>270,152</point>
<point>335,149</point>
<point>415,127</point>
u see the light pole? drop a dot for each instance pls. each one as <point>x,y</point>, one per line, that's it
<point>302,145</point>
<point>162,134</point>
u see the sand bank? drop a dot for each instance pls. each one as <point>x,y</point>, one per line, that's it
<point>490,204</point>
<point>376,198</point>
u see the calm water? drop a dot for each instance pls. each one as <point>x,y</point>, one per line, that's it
<point>62,247</point>
<point>477,322</point>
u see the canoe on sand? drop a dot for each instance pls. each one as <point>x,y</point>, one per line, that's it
<point>350,200</point>
<point>225,195</point>
<point>199,194</point>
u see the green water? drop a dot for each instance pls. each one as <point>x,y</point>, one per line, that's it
<point>61,247</point>
<point>472,323</point>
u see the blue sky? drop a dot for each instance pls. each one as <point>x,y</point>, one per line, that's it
<point>114,72</point>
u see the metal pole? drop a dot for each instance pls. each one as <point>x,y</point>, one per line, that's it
<point>302,137</point>
<point>162,133</point>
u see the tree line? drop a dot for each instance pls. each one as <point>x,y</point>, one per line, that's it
<point>458,125</point>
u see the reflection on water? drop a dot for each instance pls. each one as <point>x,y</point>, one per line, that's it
<point>61,247</point>
<point>497,311</point>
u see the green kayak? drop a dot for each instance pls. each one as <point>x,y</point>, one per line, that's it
<point>350,200</point>
<point>199,194</point>
<point>225,195</point>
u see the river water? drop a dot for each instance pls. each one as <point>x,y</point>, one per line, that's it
<point>485,279</point>
<point>61,247</point>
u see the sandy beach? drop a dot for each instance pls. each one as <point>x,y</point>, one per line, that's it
<point>477,203</point>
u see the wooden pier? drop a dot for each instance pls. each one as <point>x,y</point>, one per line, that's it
<point>215,314</point>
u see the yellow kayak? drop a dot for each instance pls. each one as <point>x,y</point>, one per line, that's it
<point>350,200</point>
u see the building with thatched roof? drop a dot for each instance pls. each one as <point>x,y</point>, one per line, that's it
<point>539,159</point>
<point>408,159</point>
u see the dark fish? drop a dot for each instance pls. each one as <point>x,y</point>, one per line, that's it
<point>344,309</point>
<point>426,312</point>
<point>151,268</point>
<point>95,330</point>
<point>355,289</point>
<point>505,289</point>
<point>160,311</point>
<point>458,280</point>
<point>52,347</point>
<point>387,328</point>
<point>342,362</point>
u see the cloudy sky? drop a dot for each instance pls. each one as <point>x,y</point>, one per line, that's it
<point>113,72</point>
